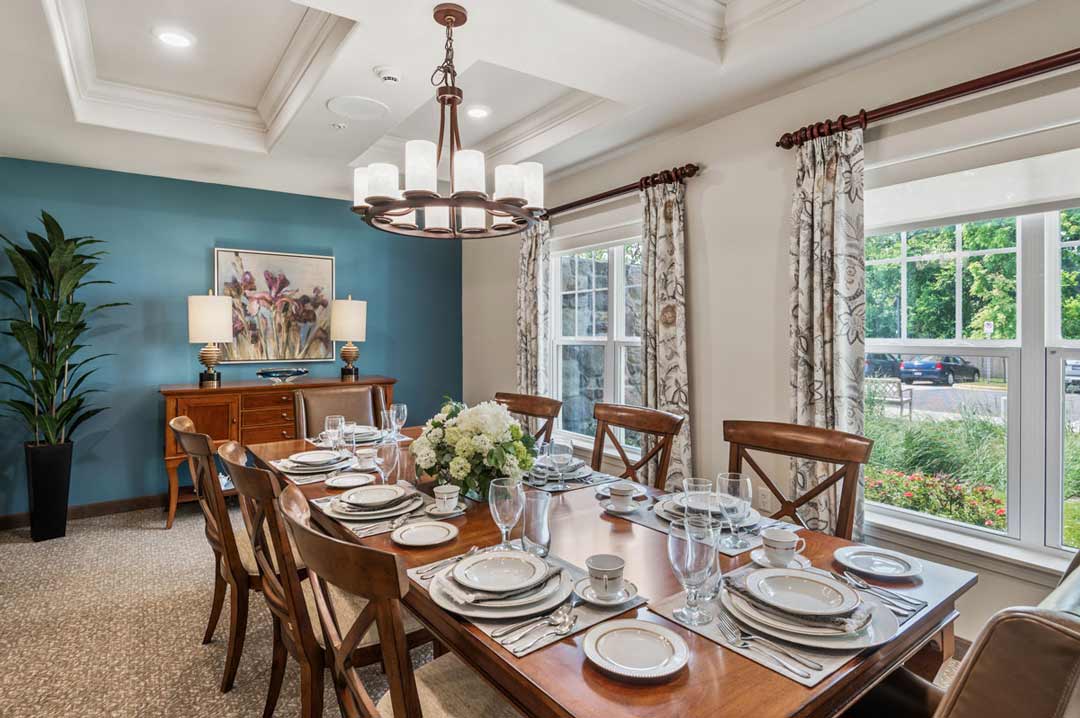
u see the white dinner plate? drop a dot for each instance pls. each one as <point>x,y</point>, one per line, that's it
<point>361,429</point>
<point>367,496</point>
<point>882,628</point>
<point>758,557</point>
<point>878,562</point>
<point>584,589</point>
<point>544,464</point>
<point>424,533</point>
<point>318,457</point>
<point>801,593</point>
<point>483,611</point>
<point>543,592</point>
<point>350,480</point>
<point>636,650</point>
<point>403,508</point>
<point>582,472</point>
<point>696,503</point>
<point>663,510</point>
<point>747,608</point>
<point>604,490</point>
<point>290,468</point>
<point>500,571</point>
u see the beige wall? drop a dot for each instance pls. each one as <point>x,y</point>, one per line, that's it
<point>738,232</point>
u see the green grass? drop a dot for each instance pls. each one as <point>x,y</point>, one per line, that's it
<point>1071,530</point>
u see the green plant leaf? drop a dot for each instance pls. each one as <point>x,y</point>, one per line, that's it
<point>52,228</point>
<point>88,414</point>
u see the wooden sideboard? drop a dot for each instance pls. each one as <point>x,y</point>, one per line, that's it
<point>251,412</point>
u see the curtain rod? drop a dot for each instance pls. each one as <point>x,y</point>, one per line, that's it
<point>675,174</point>
<point>979,84</point>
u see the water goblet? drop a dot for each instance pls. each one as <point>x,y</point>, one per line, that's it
<point>398,413</point>
<point>535,531</point>
<point>506,500</point>
<point>692,553</point>
<point>560,453</point>
<point>734,492</point>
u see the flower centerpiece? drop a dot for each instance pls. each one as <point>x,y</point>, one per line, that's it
<point>470,446</point>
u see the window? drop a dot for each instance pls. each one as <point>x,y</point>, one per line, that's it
<point>597,338</point>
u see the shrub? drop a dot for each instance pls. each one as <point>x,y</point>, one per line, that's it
<point>975,504</point>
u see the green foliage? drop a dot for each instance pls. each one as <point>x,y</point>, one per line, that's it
<point>883,301</point>
<point>937,495</point>
<point>883,246</point>
<point>990,295</point>
<point>931,300</point>
<point>991,234</point>
<point>936,240</point>
<point>48,325</point>
<point>1070,292</point>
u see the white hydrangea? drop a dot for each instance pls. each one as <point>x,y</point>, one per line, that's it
<point>483,443</point>
<point>459,467</point>
<point>434,435</point>
<point>465,447</point>
<point>452,435</point>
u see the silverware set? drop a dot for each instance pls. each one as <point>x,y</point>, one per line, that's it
<point>736,636</point>
<point>559,622</point>
<point>432,569</point>
<point>388,525</point>
<point>901,605</point>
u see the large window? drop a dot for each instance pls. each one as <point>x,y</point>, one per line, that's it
<point>597,332</point>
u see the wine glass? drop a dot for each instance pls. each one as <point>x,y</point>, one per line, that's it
<point>561,453</point>
<point>733,493</point>
<point>334,431</point>
<point>387,459</point>
<point>398,413</point>
<point>506,500</point>
<point>692,553</point>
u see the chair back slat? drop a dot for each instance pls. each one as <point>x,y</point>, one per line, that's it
<point>846,452</point>
<point>541,408</point>
<point>659,428</point>
<point>374,575</point>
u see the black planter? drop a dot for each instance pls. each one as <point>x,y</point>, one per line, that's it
<point>48,478</point>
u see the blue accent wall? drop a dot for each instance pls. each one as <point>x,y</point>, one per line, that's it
<point>160,236</point>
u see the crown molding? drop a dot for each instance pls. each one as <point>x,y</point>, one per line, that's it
<point>705,16</point>
<point>140,109</point>
<point>736,23</point>
<point>571,114</point>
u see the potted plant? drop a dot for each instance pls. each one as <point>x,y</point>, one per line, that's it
<point>48,324</point>
<point>470,446</point>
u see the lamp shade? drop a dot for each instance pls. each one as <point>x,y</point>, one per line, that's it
<point>420,165</point>
<point>348,320</point>
<point>209,319</point>
<point>469,171</point>
<point>360,187</point>
<point>382,180</point>
<point>508,182</point>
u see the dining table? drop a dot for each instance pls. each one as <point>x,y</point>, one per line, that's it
<point>559,682</point>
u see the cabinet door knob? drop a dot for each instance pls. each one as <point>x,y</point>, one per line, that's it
<point>284,415</point>
<point>284,398</point>
<point>284,433</point>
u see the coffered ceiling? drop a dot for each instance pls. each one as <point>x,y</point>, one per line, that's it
<point>88,82</point>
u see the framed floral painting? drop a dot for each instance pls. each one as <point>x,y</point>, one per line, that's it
<point>281,305</point>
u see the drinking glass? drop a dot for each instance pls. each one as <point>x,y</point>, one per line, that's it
<point>733,492</point>
<point>398,413</point>
<point>697,494</point>
<point>506,500</point>
<point>535,532</point>
<point>350,436</point>
<point>692,553</point>
<point>388,461</point>
<point>561,453</point>
<point>715,522</point>
<point>334,431</point>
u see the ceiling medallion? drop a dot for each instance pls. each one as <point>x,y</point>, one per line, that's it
<point>468,212</point>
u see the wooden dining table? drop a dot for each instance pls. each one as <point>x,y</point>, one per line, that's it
<point>558,682</point>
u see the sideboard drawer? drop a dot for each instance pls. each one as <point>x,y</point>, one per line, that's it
<point>267,399</point>
<point>273,415</point>
<point>262,434</point>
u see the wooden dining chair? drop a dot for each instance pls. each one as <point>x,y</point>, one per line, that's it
<point>847,452</point>
<point>442,688</point>
<point>542,408</point>
<point>661,426</point>
<point>230,570</point>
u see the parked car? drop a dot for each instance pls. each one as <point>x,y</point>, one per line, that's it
<point>938,369</point>
<point>882,365</point>
<point>1072,376</point>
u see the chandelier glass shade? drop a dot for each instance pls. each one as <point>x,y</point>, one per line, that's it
<point>469,210</point>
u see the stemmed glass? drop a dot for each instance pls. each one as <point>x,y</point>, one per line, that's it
<point>334,431</point>
<point>398,413</point>
<point>692,553</point>
<point>561,454</point>
<point>506,500</point>
<point>734,492</point>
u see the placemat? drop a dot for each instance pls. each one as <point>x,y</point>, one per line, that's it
<point>301,479</point>
<point>587,614</point>
<point>595,479</point>
<point>365,529</point>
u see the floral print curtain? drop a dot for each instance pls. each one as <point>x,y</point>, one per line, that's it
<point>663,315</point>
<point>828,306</point>
<point>532,310</point>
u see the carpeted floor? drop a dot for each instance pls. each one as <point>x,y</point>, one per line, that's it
<point>108,622</point>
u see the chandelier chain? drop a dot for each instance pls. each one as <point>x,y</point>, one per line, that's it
<point>446,74</point>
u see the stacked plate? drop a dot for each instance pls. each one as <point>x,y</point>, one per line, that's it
<point>810,609</point>
<point>319,461</point>
<point>374,502</point>
<point>493,585</point>
<point>363,434</point>
<point>675,506</point>
<point>543,470</point>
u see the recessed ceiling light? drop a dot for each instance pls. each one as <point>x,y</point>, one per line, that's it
<point>478,112</point>
<point>174,37</point>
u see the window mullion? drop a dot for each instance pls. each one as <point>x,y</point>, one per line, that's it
<point>958,289</point>
<point>903,285</point>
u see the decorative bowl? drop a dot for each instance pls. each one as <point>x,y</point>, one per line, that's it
<point>277,375</point>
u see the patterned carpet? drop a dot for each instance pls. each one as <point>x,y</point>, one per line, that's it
<point>108,621</point>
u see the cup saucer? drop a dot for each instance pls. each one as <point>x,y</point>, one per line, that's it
<point>610,508</point>
<point>799,562</point>
<point>584,589</point>
<point>430,510</point>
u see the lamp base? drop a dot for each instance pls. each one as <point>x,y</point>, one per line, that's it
<point>209,380</point>
<point>350,373</point>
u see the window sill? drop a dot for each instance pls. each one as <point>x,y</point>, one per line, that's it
<point>1040,566</point>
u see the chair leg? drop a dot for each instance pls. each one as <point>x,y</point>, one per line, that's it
<point>311,690</point>
<point>277,671</point>
<point>438,648</point>
<point>219,601</point>
<point>238,607</point>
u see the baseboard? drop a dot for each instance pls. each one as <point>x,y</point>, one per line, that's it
<point>101,508</point>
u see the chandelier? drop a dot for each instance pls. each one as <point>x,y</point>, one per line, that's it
<point>468,211</point>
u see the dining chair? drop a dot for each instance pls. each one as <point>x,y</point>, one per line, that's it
<point>847,452</point>
<point>1025,662</point>
<point>660,426</point>
<point>230,569</point>
<point>362,404</point>
<point>442,688</point>
<point>542,408</point>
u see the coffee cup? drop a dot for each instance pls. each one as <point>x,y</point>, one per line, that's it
<point>781,546</point>
<point>605,574</point>
<point>446,497</point>
<point>622,495</point>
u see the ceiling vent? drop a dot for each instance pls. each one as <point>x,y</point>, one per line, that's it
<point>355,107</point>
<point>389,75</point>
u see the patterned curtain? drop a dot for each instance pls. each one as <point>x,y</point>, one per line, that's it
<point>663,317</point>
<point>532,310</point>
<point>828,306</point>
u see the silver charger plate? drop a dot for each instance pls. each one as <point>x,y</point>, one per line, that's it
<point>373,495</point>
<point>636,650</point>
<point>882,628</point>
<point>402,508</point>
<point>442,599</point>
<point>878,562</point>
<point>753,518</point>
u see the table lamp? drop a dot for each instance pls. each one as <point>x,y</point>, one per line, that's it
<point>209,321</point>
<point>348,323</point>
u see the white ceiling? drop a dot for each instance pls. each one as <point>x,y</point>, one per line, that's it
<point>85,82</point>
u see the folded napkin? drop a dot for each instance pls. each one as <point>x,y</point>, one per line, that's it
<point>850,623</point>
<point>463,595</point>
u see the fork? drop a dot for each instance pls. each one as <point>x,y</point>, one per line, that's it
<point>878,590</point>
<point>734,638</point>
<point>747,636</point>
<point>432,569</point>
<point>901,610</point>
<point>560,630</point>
<point>554,618</point>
